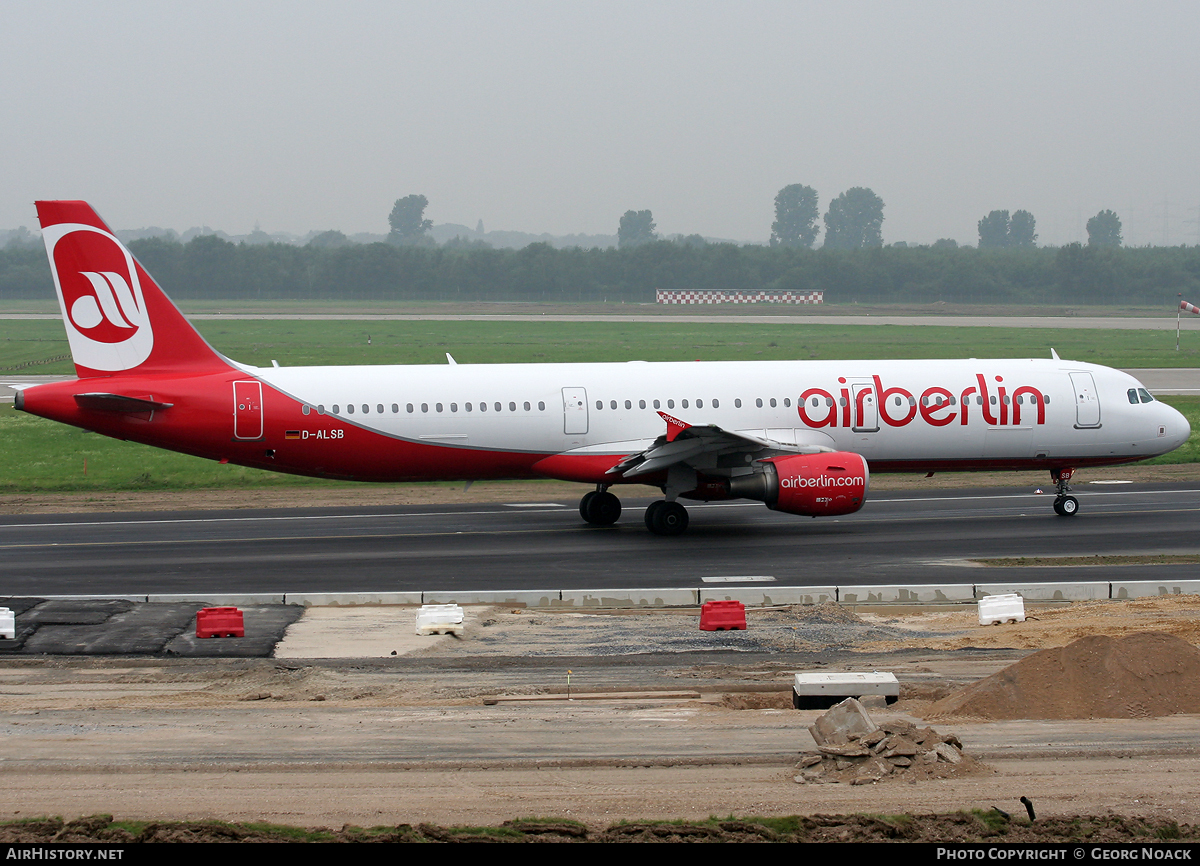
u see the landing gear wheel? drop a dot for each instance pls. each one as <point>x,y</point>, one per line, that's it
<point>600,508</point>
<point>652,512</point>
<point>668,518</point>
<point>586,503</point>
<point>1066,506</point>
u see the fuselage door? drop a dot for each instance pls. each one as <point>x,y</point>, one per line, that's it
<point>247,410</point>
<point>1087,403</point>
<point>575,410</point>
<point>864,410</point>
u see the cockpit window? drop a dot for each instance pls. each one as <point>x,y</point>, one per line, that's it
<point>1146,398</point>
<point>1133,396</point>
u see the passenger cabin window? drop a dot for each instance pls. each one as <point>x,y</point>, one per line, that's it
<point>305,410</point>
<point>409,407</point>
<point>335,408</point>
<point>758,402</point>
<point>737,402</point>
<point>349,408</point>
<point>320,408</point>
<point>541,406</point>
<point>716,404</point>
<point>641,404</point>
<point>526,405</point>
<point>657,405</point>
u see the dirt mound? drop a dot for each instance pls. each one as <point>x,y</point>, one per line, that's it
<point>1138,676</point>
<point>827,612</point>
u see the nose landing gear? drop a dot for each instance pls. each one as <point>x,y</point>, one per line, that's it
<point>1064,505</point>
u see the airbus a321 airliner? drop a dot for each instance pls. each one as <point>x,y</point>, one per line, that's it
<point>796,435</point>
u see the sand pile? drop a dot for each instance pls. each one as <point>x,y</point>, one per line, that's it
<point>1138,676</point>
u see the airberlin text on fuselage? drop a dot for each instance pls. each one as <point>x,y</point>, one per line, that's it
<point>936,406</point>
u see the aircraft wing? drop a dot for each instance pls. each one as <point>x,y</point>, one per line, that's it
<point>704,445</point>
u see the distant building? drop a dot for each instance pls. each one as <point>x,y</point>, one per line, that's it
<point>662,297</point>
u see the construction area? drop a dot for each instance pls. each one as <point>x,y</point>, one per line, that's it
<point>604,724</point>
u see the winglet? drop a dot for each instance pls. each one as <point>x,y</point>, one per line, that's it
<point>1054,356</point>
<point>674,426</point>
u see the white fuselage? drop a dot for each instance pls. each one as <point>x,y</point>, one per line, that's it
<point>1085,413</point>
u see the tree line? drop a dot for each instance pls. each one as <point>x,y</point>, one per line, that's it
<point>208,267</point>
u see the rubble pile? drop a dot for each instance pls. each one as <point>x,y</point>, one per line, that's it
<point>852,749</point>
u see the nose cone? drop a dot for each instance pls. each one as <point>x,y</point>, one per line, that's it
<point>1178,430</point>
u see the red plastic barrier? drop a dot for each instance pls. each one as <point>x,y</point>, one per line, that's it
<point>722,616</point>
<point>220,622</point>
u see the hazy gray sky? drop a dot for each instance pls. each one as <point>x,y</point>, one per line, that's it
<point>559,117</point>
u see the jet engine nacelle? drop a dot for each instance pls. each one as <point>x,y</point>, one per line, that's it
<point>815,485</point>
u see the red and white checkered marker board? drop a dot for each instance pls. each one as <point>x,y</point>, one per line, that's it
<point>1189,308</point>
<point>663,297</point>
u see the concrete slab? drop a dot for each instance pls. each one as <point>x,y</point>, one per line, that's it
<point>344,599</point>
<point>588,599</point>
<point>1142,588</point>
<point>220,599</point>
<point>1083,591</point>
<point>75,612</point>
<point>528,598</point>
<point>141,630</point>
<point>265,625</point>
<point>360,632</point>
<point>944,593</point>
<point>768,596</point>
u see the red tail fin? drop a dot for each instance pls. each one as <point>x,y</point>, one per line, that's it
<point>117,318</point>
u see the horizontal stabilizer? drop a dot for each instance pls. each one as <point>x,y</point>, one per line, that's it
<point>119,403</point>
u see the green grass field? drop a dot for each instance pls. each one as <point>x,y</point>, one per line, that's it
<point>40,346</point>
<point>44,456</point>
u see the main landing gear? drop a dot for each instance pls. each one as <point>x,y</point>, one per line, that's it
<point>599,507</point>
<point>1064,505</point>
<point>665,517</point>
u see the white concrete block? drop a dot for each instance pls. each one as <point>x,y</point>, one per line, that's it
<point>995,609</point>
<point>439,619</point>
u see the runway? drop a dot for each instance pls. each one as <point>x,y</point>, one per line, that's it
<point>898,538</point>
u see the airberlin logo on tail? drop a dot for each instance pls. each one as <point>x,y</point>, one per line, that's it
<point>101,297</point>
